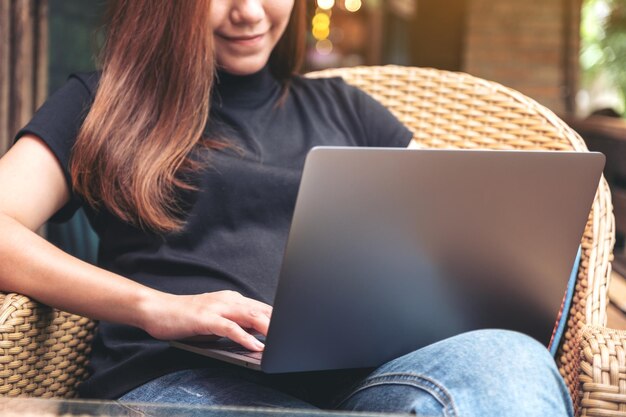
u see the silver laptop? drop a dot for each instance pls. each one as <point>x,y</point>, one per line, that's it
<point>391,250</point>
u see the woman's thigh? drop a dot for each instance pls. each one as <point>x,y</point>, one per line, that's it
<point>486,372</point>
<point>227,386</point>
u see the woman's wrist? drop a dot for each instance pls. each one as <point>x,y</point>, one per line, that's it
<point>150,305</point>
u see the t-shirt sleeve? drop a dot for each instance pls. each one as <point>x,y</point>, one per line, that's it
<point>381,127</point>
<point>57,123</point>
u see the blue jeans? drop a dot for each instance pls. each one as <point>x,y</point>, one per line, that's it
<point>480,373</point>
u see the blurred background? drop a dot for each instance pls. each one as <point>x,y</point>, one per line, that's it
<point>570,55</point>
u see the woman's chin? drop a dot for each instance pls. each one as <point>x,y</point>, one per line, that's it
<point>243,67</point>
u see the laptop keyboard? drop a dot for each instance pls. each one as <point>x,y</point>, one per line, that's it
<point>246,353</point>
<point>229,346</point>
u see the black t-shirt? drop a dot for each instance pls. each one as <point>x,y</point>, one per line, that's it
<point>237,221</point>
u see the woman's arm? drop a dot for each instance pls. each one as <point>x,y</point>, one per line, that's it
<point>32,189</point>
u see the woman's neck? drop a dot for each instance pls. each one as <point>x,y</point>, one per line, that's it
<point>244,90</point>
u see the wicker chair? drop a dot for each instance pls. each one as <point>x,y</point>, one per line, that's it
<point>44,351</point>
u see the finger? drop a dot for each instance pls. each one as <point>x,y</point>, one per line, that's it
<point>230,329</point>
<point>252,304</point>
<point>259,321</point>
<point>265,309</point>
<point>248,317</point>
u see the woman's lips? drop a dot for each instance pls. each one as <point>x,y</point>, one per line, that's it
<point>244,40</point>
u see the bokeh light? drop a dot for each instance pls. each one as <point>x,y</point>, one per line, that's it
<point>325,4</point>
<point>321,19</point>
<point>321,33</point>
<point>353,5</point>
<point>321,24</point>
<point>324,47</point>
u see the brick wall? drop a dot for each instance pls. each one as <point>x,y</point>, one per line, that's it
<point>529,45</point>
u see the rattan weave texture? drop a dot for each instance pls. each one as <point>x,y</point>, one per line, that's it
<point>43,351</point>
<point>43,356</point>
<point>603,372</point>
<point>456,110</point>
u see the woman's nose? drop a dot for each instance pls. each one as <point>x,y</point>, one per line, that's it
<point>247,11</point>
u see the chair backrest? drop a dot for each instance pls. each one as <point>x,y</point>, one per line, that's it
<point>455,110</point>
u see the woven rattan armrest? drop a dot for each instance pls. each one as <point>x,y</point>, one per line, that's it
<point>602,372</point>
<point>43,351</point>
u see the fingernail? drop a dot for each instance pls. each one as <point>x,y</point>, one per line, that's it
<point>258,344</point>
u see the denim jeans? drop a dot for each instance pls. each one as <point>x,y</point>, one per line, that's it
<point>480,373</point>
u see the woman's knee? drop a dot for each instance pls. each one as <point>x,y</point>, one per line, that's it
<point>496,358</point>
<point>487,347</point>
<point>501,352</point>
<point>506,344</point>
<point>490,370</point>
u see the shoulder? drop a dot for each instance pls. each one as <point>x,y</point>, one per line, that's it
<point>337,90</point>
<point>86,81</point>
<point>331,91</point>
<point>330,85</point>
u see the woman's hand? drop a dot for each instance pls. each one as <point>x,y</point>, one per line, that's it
<point>221,313</point>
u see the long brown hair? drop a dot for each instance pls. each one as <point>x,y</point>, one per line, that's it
<point>152,105</point>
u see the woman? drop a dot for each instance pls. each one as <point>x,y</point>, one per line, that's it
<point>186,152</point>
